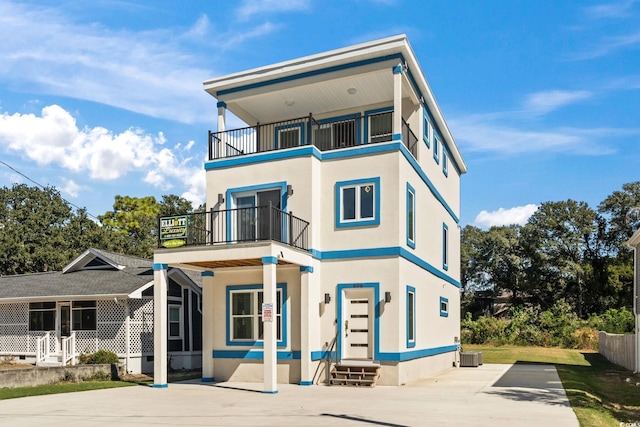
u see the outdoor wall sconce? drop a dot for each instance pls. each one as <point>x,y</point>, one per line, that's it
<point>289,190</point>
<point>327,298</point>
<point>220,198</point>
<point>387,296</point>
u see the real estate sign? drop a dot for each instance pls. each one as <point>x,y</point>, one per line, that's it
<point>174,227</point>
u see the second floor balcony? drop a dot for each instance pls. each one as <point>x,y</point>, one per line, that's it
<point>325,134</point>
<point>232,226</point>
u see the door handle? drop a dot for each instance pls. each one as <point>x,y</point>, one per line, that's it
<point>346,328</point>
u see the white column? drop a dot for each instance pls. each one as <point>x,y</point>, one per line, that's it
<point>207,326</point>
<point>127,314</point>
<point>160,281</point>
<point>397,100</point>
<point>636,295</point>
<point>222,126</point>
<point>270,361</point>
<point>306,371</point>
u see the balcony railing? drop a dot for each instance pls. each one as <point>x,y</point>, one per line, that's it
<point>260,223</point>
<point>333,134</point>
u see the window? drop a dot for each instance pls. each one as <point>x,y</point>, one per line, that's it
<point>411,316</point>
<point>84,315</point>
<point>426,128</point>
<point>444,307</point>
<point>335,134</point>
<point>445,247</point>
<point>358,202</point>
<point>245,314</point>
<point>249,218</point>
<point>381,127</point>
<point>436,148</point>
<point>174,321</point>
<point>445,162</point>
<point>42,316</point>
<point>411,214</point>
<point>288,136</point>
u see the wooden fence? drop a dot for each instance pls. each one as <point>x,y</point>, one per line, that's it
<point>619,349</point>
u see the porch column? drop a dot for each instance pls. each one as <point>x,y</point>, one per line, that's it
<point>160,281</point>
<point>127,321</point>
<point>306,282</point>
<point>207,326</point>
<point>269,264</point>
<point>397,102</point>
<point>222,126</point>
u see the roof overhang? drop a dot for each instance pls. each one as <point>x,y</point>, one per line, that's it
<point>634,241</point>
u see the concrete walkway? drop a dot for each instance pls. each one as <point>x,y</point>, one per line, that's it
<point>491,395</point>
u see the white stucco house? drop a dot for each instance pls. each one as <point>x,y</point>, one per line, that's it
<point>100,301</point>
<point>331,242</point>
<point>634,242</point>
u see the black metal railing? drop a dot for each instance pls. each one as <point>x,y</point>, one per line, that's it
<point>348,131</point>
<point>260,223</point>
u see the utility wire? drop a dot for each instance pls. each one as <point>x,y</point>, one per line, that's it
<point>43,187</point>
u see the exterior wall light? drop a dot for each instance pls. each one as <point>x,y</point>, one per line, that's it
<point>327,298</point>
<point>289,190</point>
<point>387,296</point>
<point>220,198</point>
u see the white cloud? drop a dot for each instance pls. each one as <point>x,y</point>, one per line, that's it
<point>248,8</point>
<point>610,10</point>
<point>516,215</point>
<point>546,101</point>
<point>609,46</point>
<point>71,187</point>
<point>54,139</point>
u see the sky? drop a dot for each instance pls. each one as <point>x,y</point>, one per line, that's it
<point>542,97</point>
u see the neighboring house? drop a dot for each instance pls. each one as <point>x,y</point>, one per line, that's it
<point>332,223</point>
<point>101,300</point>
<point>634,242</point>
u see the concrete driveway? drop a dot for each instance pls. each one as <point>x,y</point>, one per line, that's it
<point>491,395</point>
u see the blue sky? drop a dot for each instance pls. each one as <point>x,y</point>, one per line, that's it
<point>542,97</point>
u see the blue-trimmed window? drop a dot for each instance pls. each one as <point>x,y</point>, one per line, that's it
<point>426,128</point>
<point>436,147</point>
<point>244,315</point>
<point>445,246</point>
<point>411,316</point>
<point>337,132</point>
<point>290,135</point>
<point>411,216</point>
<point>444,307</point>
<point>445,162</point>
<point>358,202</point>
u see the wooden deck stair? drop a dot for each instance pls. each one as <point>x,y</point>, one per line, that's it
<point>354,374</point>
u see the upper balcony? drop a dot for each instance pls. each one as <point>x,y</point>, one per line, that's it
<point>325,134</point>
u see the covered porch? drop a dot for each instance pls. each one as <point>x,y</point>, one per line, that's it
<point>261,267</point>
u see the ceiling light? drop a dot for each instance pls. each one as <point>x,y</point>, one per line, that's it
<point>289,102</point>
<point>352,90</point>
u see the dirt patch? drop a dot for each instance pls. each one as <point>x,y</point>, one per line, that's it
<point>5,366</point>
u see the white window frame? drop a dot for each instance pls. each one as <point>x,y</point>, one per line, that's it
<point>256,315</point>
<point>179,321</point>
<point>357,185</point>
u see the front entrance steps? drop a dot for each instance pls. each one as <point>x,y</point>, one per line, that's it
<point>50,362</point>
<point>355,373</point>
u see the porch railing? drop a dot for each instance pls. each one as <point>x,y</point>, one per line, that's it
<point>42,348</point>
<point>69,349</point>
<point>326,134</point>
<point>260,223</point>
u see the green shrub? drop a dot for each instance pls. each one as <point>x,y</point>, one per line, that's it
<point>614,321</point>
<point>99,357</point>
<point>482,331</point>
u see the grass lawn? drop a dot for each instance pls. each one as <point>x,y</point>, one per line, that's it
<point>11,393</point>
<point>599,392</point>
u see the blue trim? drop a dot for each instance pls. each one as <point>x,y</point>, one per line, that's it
<point>306,269</point>
<point>160,386</point>
<point>436,151</point>
<point>207,274</point>
<point>415,354</point>
<point>284,315</point>
<point>384,252</point>
<point>411,341</point>
<point>310,73</point>
<point>277,130</point>
<point>340,223</point>
<point>364,150</point>
<point>445,246</point>
<point>444,313</point>
<point>376,321</point>
<point>157,267</point>
<point>397,69</point>
<point>207,379</point>
<point>445,162</point>
<point>305,383</point>
<point>269,260</point>
<point>253,354</point>
<point>221,104</point>
<point>426,124</point>
<point>231,192</point>
<point>411,204</point>
<point>323,354</point>
<point>396,137</point>
<point>270,392</point>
